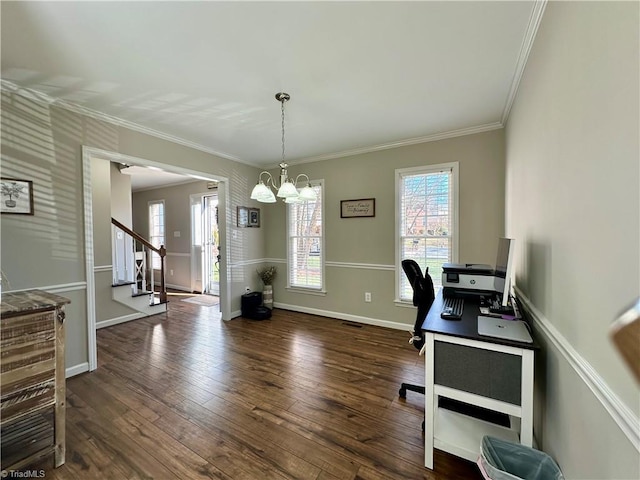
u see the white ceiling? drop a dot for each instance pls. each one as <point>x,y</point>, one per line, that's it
<point>362,75</point>
<point>143,178</point>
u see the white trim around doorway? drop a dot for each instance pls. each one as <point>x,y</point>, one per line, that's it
<point>88,154</point>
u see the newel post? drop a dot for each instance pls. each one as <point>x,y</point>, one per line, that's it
<point>163,288</point>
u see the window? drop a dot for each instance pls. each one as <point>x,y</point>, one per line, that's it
<point>156,230</point>
<point>426,220</point>
<point>305,250</point>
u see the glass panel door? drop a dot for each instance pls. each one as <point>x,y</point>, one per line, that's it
<point>210,245</point>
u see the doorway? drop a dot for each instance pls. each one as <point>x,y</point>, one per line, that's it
<point>210,244</point>
<point>93,158</point>
<point>205,244</point>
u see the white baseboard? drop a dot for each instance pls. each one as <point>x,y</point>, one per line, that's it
<point>236,314</point>
<point>117,320</point>
<point>181,288</point>
<point>76,370</point>
<point>345,316</point>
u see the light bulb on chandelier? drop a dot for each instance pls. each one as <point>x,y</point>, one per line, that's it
<point>288,189</point>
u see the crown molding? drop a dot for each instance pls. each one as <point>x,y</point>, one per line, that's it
<point>401,143</point>
<point>79,109</point>
<point>523,56</point>
<point>42,97</point>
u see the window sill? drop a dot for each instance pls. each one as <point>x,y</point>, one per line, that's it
<point>305,291</point>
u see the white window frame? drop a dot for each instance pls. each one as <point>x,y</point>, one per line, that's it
<point>301,289</point>
<point>164,226</point>
<point>400,173</point>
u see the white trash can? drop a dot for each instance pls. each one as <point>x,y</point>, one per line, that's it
<point>502,460</point>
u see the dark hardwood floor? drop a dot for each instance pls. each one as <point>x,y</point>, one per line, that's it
<point>185,395</point>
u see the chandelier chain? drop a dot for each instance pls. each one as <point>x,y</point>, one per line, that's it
<point>282,104</point>
<point>288,188</point>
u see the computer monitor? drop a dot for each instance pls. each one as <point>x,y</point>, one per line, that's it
<point>504,268</point>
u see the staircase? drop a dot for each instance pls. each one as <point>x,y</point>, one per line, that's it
<point>134,283</point>
<point>145,302</point>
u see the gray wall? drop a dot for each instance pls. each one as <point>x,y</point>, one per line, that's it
<point>572,172</point>
<point>247,243</point>
<point>111,198</point>
<point>177,219</point>
<point>121,208</point>
<point>572,203</point>
<point>111,195</point>
<point>370,242</point>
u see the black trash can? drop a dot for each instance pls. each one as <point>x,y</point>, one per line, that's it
<point>251,306</point>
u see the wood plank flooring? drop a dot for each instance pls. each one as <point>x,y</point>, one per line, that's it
<point>184,395</point>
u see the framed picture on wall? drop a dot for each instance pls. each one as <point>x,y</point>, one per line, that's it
<point>17,196</point>
<point>254,217</point>
<point>363,207</point>
<point>243,217</point>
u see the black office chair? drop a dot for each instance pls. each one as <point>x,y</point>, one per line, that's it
<point>423,296</point>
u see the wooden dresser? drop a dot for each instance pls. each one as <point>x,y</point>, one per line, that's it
<point>32,379</point>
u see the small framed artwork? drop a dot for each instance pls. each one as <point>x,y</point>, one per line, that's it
<point>254,217</point>
<point>364,207</point>
<point>17,196</point>
<point>243,217</point>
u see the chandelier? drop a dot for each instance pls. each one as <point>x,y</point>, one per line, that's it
<point>288,188</point>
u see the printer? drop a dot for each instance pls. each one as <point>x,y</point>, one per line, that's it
<point>475,280</point>
<point>468,280</point>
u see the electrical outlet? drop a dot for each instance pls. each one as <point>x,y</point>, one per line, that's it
<point>171,272</point>
<point>367,296</point>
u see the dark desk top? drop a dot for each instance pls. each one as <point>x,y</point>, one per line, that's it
<point>467,326</point>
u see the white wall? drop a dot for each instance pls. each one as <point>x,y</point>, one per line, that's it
<point>572,197</point>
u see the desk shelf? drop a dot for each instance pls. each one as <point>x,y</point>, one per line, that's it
<point>461,435</point>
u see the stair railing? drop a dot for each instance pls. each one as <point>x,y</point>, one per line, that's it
<point>162,253</point>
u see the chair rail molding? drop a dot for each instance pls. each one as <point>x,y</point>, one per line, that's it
<point>362,266</point>
<point>628,422</point>
<point>59,288</point>
<point>328,263</point>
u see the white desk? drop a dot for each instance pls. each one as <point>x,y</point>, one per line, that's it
<point>482,371</point>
